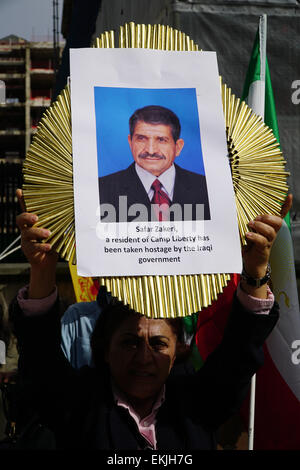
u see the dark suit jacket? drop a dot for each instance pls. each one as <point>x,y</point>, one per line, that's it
<point>78,406</point>
<point>189,188</point>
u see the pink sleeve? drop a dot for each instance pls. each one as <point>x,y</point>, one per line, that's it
<point>35,306</point>
<point>260,306</point>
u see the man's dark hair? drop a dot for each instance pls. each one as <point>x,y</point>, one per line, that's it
<point>156,115</point>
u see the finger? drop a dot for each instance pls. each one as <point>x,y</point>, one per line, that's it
<point>266,230</point>
<point>19,194</point>
<point>34,234</point>
<point>26,219</point>
<point>38,248</point>
<point>287,205</point>
<point>260,241</point>
<point>267,219</point>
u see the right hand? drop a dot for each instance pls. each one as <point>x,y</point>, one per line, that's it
<point>39,255</point>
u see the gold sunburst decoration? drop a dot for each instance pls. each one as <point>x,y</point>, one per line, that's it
<point>258,174</point>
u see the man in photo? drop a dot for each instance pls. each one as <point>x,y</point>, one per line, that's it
<point>156,188</point>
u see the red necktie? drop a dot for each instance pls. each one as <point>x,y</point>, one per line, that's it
<point>161,201</point>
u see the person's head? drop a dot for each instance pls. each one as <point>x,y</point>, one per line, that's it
<point>154,138</point>
<point>139,351</point>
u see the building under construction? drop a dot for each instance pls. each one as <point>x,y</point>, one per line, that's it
<point>27,70</point>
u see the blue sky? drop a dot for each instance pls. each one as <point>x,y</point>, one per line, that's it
<point>29,19</point>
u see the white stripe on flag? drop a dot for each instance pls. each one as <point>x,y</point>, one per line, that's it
<point>256,97</point>
<point>287,329</point>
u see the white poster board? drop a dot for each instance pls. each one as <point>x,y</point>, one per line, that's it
<point>107,87</point>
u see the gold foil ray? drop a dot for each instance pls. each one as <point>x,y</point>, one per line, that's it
<point>257,166</point>
<point>177,296</point>
<point>160,37</point>
<point>48,176</point>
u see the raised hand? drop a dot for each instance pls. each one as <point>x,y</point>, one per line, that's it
<point>41,256</point>
<point>259,243</point>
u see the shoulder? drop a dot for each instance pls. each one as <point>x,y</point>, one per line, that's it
<point>81,311</point>
<point>118,175</point>
<point>77,325</point>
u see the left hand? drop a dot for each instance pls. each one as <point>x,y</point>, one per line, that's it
<point>256,253</point>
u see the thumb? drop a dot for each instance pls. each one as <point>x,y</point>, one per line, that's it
<point>19,194</point>
<point>286,205</point>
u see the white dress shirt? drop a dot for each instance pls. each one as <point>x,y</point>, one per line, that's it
<point>167,180</point>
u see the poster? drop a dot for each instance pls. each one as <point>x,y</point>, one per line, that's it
<point>153,192</point>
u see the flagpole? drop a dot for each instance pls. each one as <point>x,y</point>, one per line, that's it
<point>256,101</point>
<point>251,413</point>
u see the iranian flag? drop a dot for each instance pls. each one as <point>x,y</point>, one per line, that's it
<point>277,401</point>
<point>276,387</point>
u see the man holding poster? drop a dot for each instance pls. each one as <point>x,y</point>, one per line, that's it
<point>154,187</point>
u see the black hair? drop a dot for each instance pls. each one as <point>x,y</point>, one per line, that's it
<point>112,316</point>
<point>156,115</point>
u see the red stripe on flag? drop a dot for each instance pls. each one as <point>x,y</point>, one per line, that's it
<point>212,320</point>
<point>277,410</point>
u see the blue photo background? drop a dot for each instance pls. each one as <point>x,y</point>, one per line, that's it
<point>113,108</point>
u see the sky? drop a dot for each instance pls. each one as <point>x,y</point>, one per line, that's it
<point>29,19</point>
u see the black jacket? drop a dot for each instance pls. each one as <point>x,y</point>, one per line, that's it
<point>189,188</point>
<point>78,406</point>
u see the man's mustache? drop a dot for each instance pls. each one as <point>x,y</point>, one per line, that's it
<point>152,155</point>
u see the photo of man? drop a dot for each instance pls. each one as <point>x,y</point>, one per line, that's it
<point>154,187</point>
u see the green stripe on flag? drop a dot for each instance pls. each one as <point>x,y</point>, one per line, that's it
<point>253,74</point>
<point>190,326</point>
